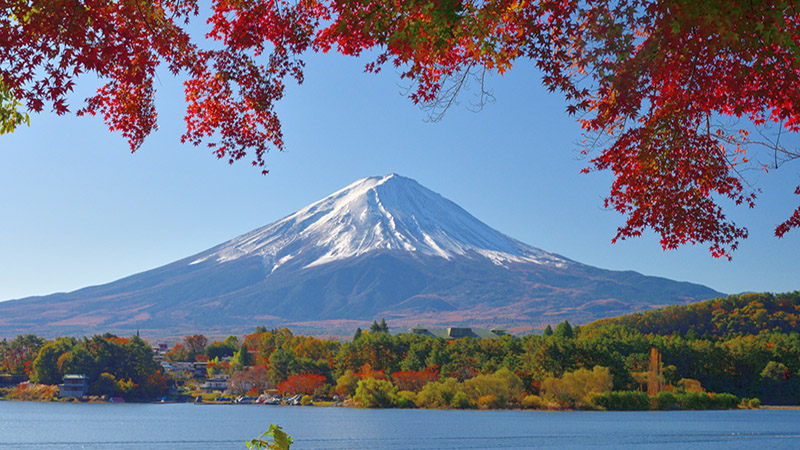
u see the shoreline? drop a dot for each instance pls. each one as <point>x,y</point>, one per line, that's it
<point>350,406</point>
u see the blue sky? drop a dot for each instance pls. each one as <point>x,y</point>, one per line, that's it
<point>79,209</point>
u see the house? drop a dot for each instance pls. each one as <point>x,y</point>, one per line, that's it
<point>216,383</point>
<point>73,386</point>
<point>8,380</point>
<point>160,351</point>
<point>200,368</point>
<point>459,332</point>
<point>178,368</point>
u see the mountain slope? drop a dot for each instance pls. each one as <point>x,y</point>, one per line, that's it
<point>381,247</point>
<point>726,317</point>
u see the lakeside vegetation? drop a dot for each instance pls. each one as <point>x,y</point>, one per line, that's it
<point>620,364</point>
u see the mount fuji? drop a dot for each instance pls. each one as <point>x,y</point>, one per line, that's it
<point>380,247</point>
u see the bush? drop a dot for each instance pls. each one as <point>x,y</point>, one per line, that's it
<point>406,399</point>
<point>577,388</point>
<point>306,400</point>
<point>503,385</point>
<point>33,392</point>
<point>347,384</point>
<point>666,401</point>
<point>622,401</point>
<point>489,402</point>
<point>461,401</point>
<point>750,403</point>
<point>439,394</point>
<point>724,401</point>
<point>694,400</point>
<point>532,402</point>
<point>372,393</point>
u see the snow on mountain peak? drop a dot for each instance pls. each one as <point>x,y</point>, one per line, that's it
<point>389,212</point>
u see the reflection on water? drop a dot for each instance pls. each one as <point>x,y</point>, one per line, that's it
<point>184,426</point>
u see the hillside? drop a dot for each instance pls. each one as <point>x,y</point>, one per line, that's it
<point>735,315</point>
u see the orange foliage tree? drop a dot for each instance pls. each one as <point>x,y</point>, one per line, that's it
<point>414,380</point>
<point>301,384</point>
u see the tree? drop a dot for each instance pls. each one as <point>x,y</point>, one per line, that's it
<point>379,327</point>
<point>242,358</point>
<point>18,354</point>
<point>374,393</point>
<point>414,380</point>
<point>577,387</point>
<point>195,345</point>
<point>282,364</point>
<point>10,117</point>
<point>45,366</point>
<point>548,331</point>
<point>564,330</point>
<point>301,384</point>
<point>655,81</point>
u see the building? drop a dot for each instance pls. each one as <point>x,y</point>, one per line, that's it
<point>178,368</point>
<point>216,383</point>
<point>200,368</point>
<point>160,351</point>
<point>459,332</point>
<point>73,386</point>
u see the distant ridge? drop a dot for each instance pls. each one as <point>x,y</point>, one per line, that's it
<point>381,247</point>
<point>726,317</point>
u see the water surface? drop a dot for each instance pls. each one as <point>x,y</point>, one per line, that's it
<point>25,425</point>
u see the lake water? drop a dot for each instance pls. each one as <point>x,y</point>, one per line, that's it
<point>25,425</point>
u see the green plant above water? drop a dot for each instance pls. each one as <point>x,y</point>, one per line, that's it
<point>280,440</point>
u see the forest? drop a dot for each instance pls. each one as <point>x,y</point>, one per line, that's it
<point>722,353</point>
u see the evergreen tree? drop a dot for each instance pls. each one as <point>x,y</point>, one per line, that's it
<point>379,327</point>
<point>548,331</point>
<point>358,334</point>
<point>564,329</point>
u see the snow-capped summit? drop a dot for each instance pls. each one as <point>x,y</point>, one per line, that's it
<point>381,247</point>
<point>389,212</point>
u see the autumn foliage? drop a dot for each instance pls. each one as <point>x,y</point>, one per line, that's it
<point>414,380</point>
<point>301,384</point>
<point>667,92</point>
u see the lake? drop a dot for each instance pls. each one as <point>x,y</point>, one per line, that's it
<point>29,425</point>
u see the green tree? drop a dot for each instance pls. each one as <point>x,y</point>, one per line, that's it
<point>282,365</point>
<point>45,366</point>
<point>564,330</point>
<point>372,393</point>
<point>106,384</point>
<point>222,349</point>
<point>548,331</point>
<point>242,358</point>
<point>381,327</point>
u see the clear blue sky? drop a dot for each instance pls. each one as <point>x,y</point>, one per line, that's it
<point>79,209</point>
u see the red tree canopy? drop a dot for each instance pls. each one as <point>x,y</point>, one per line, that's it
<point>656,83</point>
<point>301,384</point>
